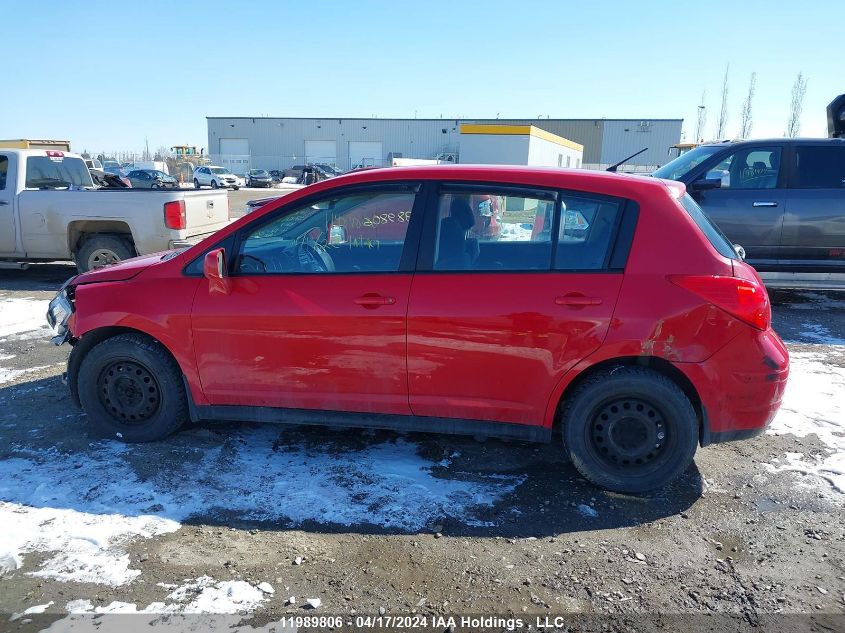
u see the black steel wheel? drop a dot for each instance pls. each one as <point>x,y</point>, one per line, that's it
<point>132,389</point>
<point>129,390</point>
<point>629,429</point>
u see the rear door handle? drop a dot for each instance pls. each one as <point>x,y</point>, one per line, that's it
<point>765,204</point>
<point>577,301</point>
<point>372,300</point>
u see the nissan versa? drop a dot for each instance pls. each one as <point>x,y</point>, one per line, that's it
<point>605,306</point>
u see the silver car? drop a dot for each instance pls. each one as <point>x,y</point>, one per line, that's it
<point>215,177</point>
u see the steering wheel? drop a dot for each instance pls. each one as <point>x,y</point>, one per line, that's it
<point>313,258</point>
<point>249,267</point>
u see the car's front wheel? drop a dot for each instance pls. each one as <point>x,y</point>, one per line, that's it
<point>630,429</point>
<point>214,184</point>
<point>196,184</point>
<point>132,389</point>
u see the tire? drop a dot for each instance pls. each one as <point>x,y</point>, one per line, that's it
<point>196,184</point>
<point>155,187</point>
<point>629,429</point>
<point>214,184</point>
<point>235,188</point>
<point>132,389</point>
<point>102,250</point>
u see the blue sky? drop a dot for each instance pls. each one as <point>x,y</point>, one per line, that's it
<point>107,75</point>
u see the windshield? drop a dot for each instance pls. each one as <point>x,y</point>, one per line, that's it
<point>218,170</point>
<point>50,172</point>
<point>683,164</point>
<point>259,172</point>
<point>160,174</point>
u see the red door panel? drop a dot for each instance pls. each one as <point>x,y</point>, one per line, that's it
<point>318,341</point>
<point>492,346</point>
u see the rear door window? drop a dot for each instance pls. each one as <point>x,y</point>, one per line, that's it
<point>493,230</point>
<point>820,167</point>
<point>585,234</point>
<point>4,170</point>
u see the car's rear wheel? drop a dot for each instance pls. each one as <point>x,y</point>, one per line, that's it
<point>132,389</point>
<point>102,250</point>
<point>196,184</point>
<point>630,429</point>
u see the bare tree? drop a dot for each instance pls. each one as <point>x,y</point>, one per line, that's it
<point>723,113</point>
<point>702,119</point>
<point>746,119</point>
<point>799,89</point>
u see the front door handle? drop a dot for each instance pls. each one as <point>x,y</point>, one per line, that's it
<point>373,300</point>
<point>578,301</point>
<point>3,203</point>
<point>765,204</point>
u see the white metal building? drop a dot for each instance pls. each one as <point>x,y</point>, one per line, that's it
<point>517,145</point>
<point>241,143</point>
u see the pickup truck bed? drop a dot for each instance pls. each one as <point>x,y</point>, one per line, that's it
<point>94,226</point>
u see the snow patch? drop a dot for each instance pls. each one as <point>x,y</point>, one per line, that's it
<point>23,314</point>
<point>814,404</point>
<point>84,508</point>
<point>817,333</point>
<point>587,511</point>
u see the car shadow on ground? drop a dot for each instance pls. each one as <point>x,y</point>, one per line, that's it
<point>44,277</point>
<point>316,479</point>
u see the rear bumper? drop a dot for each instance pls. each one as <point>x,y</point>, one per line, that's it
<point>741,386</point>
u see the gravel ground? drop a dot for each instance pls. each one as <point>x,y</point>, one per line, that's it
<point>384,523</point>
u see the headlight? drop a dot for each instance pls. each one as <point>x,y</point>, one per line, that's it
<point>58,314</point>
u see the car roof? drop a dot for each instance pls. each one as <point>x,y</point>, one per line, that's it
<point>625,185</point>
<point>773,141</point>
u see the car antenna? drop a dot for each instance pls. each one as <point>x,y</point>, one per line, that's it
<point>624,160</point>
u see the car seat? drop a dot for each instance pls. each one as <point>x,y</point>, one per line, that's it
<point>454,250</point>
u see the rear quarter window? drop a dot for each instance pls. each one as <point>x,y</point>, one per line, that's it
<point>712,232</point>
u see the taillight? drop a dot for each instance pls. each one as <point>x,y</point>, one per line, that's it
<point>174,215</point>
<point>744,299</point>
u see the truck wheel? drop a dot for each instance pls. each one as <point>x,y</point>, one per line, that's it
<point>196,184</point>
<point>630,429</point>
<point>101,250</point>
<point>132,389</point>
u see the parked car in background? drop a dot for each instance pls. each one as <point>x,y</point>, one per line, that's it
<point>782,199</point>
<point>637,347</point>
<point>258,178</point>
<point>151,179</point>
<point>215,177</point>
<point>277,175</point>
<point>50,210</point>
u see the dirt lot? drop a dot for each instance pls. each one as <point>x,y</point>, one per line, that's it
<point>384,523</point>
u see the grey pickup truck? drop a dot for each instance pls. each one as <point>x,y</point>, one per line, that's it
<point>782,200</point>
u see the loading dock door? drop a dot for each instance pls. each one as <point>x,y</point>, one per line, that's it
<point>321,152</point>
<point>234,155</point>
<point>365,154</point>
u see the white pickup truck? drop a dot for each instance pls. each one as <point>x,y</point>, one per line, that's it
<point>50,210</point>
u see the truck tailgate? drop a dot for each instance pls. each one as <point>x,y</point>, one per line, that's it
<point>206,211</point>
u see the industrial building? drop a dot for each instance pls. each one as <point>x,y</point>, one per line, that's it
<point>241,143</point>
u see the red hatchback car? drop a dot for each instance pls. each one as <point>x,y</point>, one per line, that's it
<point>377,299</point>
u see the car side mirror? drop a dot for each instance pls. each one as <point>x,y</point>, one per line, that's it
<point>703,184</point>
<point>214,269</point>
